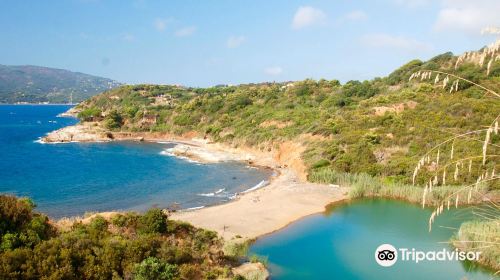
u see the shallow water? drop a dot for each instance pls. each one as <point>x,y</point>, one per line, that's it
<point>74,178</point>
<point>341,243</point>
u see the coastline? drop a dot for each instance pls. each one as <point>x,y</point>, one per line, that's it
<point>286,198</point>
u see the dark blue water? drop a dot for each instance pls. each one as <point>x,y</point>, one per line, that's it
<point>341,244</point>
<point>74,178</point>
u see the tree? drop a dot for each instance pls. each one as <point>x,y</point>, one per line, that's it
<point>113,120</point>
<point>90,114</point>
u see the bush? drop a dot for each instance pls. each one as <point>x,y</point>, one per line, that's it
<point>153,221</point>
<point>19,225</point>
<point>154,269</point>
<point>113,120</point>
<point>94,251</point>
<point>320,163</point>
<point>90,114</point>
<point>98,224</point>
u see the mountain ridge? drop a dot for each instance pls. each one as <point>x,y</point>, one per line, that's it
<point>40,84</point>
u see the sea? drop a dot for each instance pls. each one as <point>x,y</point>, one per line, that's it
<point>71,179</point>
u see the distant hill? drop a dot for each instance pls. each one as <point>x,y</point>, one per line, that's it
<point>35,84</point>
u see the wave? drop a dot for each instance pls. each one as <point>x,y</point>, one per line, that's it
<point>165,142</point>
<point>218,193</point>
<point>39,141</point>
<point>167,152</point>
<point>262,184</point>
<point>194,208</point>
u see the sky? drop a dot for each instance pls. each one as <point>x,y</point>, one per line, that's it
<point>205,43</point>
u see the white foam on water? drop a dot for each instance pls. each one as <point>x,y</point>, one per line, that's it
<point>218,193</point>
<point>262,183</point>
<point>168,152</point>
<point>194,208</point>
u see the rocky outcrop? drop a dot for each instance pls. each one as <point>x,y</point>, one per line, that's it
<point>202,154</point>
<point>72,112</point>
<point>255,271</point>
<point>87,132</point>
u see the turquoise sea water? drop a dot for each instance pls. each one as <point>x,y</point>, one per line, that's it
<point>341,244</point>
<point>74,178</point>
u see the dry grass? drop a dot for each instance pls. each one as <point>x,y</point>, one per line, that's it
<point>364,185</point>
<point>483,236</point>
<point>477,166</point>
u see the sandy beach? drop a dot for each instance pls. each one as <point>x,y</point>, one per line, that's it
<point>287,198</point>
<point>265,210</point>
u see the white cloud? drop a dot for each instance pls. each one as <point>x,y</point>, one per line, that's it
<point>186,31</point>
<point>467,16</point>
<point>160,24</point>
<point>235,41</point>
<point>307,16</point>
<point>357,15</point>
<point>381,40</point>
<point>274,70</point>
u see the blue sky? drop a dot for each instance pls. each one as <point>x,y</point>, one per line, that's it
<point>204,43</point>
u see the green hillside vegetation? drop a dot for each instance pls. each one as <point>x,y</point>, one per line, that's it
<point>129,246</point>
<point>380,127</point>
<point>34,84</point>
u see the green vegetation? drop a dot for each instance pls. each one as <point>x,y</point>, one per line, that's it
<point>481,236</point>
<point>129,246</point>
<point>34,84</point>
<point>153,268</point>
<point>369,135</point>
<point>379,127</point>
<point>90,114</point>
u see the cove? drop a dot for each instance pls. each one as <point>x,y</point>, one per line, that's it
<point>73,178</point>
<point>341,243</point>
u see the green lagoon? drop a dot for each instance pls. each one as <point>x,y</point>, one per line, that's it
<point>340,244</point>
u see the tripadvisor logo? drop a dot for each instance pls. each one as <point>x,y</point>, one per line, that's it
<point>387,255</point>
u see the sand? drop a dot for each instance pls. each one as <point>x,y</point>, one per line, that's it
<point>265,210</point>
<point>287,198</point>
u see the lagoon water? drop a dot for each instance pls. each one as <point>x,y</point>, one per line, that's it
<point>73,178</point>
<point>341,243</point>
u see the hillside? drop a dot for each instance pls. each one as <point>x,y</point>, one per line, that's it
<point>381,127</point>
<point>34,84</point>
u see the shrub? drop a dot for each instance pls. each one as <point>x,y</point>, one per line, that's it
<point>320,163</point>
<point>154,269</point>
<point>113,120</point>
<point>119,220</point>
<point>98,224</point>
<point>90,114</point>
<point>153,221</point>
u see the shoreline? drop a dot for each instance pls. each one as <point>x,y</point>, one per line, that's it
<point>286,198</point>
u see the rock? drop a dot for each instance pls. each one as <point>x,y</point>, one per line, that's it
<point>77,133</point>
<point>250,270</point>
